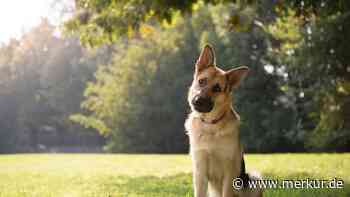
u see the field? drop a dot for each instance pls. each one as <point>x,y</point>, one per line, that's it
<point>112,175</point>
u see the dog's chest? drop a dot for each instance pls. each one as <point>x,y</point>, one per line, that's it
<point>219,143</point>
<point>219,151</point>
<point>211,136</point>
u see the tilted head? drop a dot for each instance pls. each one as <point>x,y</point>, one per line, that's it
<point>212,87</point>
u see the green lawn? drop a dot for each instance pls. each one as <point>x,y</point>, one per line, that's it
<point>70,175</point>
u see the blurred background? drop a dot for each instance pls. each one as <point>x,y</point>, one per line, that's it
<point>113,76</point>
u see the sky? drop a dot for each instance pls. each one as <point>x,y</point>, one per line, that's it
<point>17,16</point>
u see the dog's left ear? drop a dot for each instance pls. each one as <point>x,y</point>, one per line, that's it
<point>236,75</point>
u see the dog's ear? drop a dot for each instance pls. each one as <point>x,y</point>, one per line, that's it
<point>206,58</point>
<point>236,75</point>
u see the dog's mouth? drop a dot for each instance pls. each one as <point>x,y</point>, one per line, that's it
<point>202,104</point>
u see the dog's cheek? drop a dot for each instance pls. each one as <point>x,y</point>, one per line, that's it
<point>220,100</point>
<point>191,94</point>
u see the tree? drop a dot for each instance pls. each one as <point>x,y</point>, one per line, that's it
<point>313,45</point>
<point>139,100</point>
<point>298,100</point>
<point>42,79</point>
<point>98,22</point>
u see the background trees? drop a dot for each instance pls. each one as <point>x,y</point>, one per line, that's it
<point>288,101</point>
<point>313,44</point>
<point>132,83</point>
<point>43,77</point>
<point>140,98</point>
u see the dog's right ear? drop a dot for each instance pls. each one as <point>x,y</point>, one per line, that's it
<point>206,58</point>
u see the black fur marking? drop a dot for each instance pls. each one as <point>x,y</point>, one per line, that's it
<point>243,175</point>
<point>227,83</point>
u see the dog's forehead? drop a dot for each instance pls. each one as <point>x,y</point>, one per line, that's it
<point>212,72</point>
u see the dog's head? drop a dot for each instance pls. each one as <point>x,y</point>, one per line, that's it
<point>211,89</point>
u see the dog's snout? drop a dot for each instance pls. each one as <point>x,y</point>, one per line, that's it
<point>198,100</point>
<point>202,104</point>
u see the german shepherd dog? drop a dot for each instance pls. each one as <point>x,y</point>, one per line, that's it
<point>213,129</point>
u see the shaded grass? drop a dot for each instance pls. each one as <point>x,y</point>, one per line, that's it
<point>152,175</point>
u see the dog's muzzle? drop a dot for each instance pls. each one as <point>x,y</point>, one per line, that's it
<point>202,104</point>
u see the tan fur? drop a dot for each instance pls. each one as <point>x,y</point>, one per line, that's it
<point>215,148</point>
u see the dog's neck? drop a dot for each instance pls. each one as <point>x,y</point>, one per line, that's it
<point>214,121</point>
<point>218,117</point>
<point>227,125</point>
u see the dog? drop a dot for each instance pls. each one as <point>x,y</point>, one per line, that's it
<point>213,130</point>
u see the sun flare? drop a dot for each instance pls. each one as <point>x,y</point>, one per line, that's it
<point>17,16</point>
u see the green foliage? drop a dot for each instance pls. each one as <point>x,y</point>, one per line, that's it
<point>141,96</point>
<point>298,40</point>
<point>296,97</point>
<point>312,45</point>
<point>98,22</point>
<point>135,97</point>
<point>42,80</point>
<point>90,122</point>
<point>153,175</point>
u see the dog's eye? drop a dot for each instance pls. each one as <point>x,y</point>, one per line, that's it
<point>202,82</point>
<point>216,88</point>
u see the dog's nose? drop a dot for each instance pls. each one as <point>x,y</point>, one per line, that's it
<point>202,104</point>
<point>198,100</point>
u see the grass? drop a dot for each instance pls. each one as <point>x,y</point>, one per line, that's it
<point>114,175</point>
